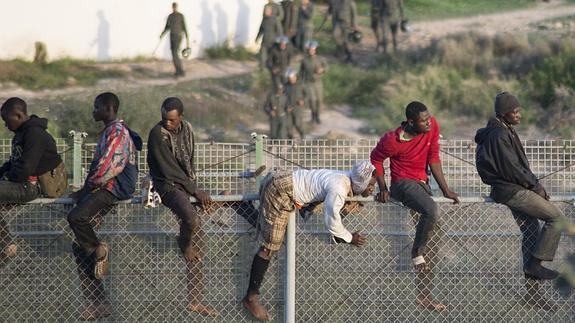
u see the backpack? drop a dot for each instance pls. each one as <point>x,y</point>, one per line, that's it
<point>54,183</point>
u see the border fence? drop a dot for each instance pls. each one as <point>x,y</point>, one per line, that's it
<point>476,272</point>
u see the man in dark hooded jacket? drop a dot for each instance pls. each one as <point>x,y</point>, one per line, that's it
<point>501,162</point>
<point>33,153</point>
<point>171,161</point>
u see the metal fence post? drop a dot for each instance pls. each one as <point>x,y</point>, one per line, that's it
<point>259,138</point>
<point>290,270</point>
<point>78,140</point>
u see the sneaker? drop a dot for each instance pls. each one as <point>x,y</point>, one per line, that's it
<point>101,266</point>
<point>95,311</point>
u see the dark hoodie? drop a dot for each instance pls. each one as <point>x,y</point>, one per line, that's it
<point>501,162</point>
<point>33,151</point>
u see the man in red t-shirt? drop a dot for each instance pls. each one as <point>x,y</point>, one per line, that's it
<point>411,148</point>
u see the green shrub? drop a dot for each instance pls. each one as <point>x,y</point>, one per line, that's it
<point>55,74</point>
<point>225,51</point>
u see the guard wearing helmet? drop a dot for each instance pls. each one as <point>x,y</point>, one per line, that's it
<point>295,103</point>
<point>344,14</point>
<point>176,25</point>
<point>311,70</point>
<point>279,59</point>
<point>270,29</point>
<point>391,17</point>
<point>275,107</point>
<point>304,24</point>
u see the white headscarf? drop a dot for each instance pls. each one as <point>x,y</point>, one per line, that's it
<point>361,175</point>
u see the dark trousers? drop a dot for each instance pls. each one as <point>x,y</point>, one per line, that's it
<point>11,193</point>
<point>528,208</point>
<point>389,28</point>
<point>191,239</point>
<point>82,218</point>
<point>416,195</point>
<point>84,215</point>
<point>175,41</point>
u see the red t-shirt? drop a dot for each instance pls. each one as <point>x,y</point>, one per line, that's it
<point>408,159</point>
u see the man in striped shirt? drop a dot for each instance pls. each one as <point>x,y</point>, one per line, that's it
<point>112,177</point>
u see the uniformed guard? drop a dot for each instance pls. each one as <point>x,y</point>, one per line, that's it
<point>376,24</point>
<point>176,25</point>
<point>275,107</point>
<point>304,24</point>
<point>289,22</point>
<point>295,104</point>
<point>312,68</point>
<point>270,29</point>
<point>391,17</point>
<point>279,59</point>
<point>277,10</point>
<point>344,14</point>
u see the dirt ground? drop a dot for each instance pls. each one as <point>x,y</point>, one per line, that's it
<point>336,121</point>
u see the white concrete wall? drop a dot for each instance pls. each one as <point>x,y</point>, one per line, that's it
<point>112,29</point>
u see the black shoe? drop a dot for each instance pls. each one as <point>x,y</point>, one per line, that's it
<point>539,272</point>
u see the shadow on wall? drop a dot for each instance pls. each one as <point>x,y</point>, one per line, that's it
<point>222,24</point>
<point>208,34</point>
<point>242,23</point>
<point>102,40</point>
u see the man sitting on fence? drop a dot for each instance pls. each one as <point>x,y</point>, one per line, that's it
<point>282,192</point>
<point>112,177</point>
<point>171,162</point>
<point>411,148</point>
<point>33,154</point>
<point>501,162</point>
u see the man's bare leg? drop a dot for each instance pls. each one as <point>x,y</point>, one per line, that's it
<point>252,299</point>
<point>424,271</point>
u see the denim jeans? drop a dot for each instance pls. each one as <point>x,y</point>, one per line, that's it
<point>81,218</point>
<point>528,208</point>
<point>416,195</point>
<point>12,193</point>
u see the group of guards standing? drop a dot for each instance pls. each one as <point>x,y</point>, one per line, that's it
<point>285,29</point>
<point>288,27</point>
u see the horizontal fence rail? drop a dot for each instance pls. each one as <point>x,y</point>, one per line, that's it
<point>477,271</point>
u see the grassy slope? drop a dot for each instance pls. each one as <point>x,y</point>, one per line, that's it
<point>207,106</point>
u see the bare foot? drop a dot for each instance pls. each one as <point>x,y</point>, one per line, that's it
<point>430,303</point>
<point>203,309</point>
<point>252,303</point>
<point>11,250</point>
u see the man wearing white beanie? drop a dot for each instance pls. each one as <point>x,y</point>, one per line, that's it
<point>281,193</point>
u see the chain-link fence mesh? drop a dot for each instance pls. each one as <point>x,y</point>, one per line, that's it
<point>477,269</point>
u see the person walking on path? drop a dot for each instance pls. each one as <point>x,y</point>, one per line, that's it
<point>176,24</point>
